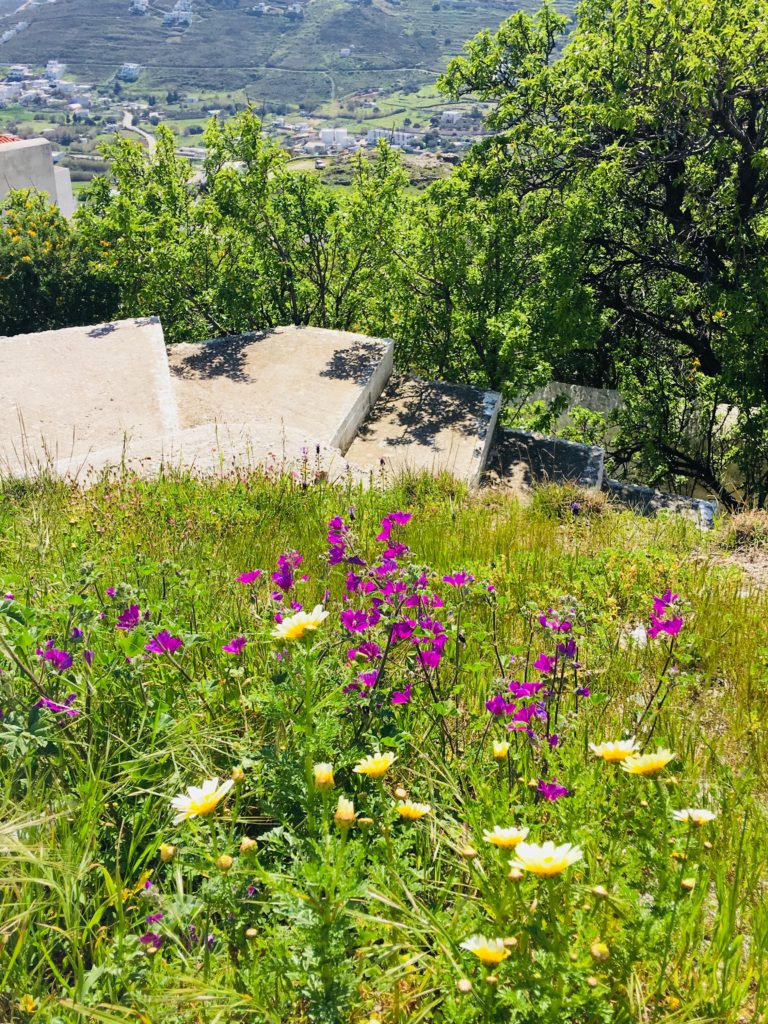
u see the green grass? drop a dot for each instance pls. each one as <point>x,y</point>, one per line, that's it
<point>323,924</point>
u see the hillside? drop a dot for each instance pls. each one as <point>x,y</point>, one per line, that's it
<point>291,51</point>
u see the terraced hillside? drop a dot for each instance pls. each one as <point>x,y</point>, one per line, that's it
<point>312,50</point>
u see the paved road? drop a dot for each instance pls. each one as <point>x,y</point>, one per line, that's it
<point>131,127</point>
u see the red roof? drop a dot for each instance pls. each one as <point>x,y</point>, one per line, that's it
<point>9,138</point>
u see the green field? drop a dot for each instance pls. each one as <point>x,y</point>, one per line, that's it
<point>278,60</point>
<point>134,664</point>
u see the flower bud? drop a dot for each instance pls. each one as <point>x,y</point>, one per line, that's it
<point>500,750</point>
<point>510,942</point>
<point>516,875</point>
<point>599,951</point>
<point>247,844</point>
<point>491,980</point>
<point>599,890</point>
<point>225,862</point>
<point>468,852</point>
<point>167,852</point>
<point>401,794</point>
<point>323,776</point>
<point>238,775</point>
<point>365,823</point>
<point>345,813</point>
<point>464,985</point>
<point>689,884</point>
<point>592,981</point>
<point>251,934</point>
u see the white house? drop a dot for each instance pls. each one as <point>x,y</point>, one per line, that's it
<point>335,138</point>
<point>28,163</point>
<point>392,136</point>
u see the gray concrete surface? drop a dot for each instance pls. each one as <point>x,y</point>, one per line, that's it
<point>426,425</point>
<point>522,459</point>
<point>67,393</point>
<point>319,383</point>
<point>28,163</point>
<point>649,502</point>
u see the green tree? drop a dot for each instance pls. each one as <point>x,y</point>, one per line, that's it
<point>50,276</point>
<point>637,159</point>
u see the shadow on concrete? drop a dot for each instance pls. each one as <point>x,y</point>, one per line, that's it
<point>424,410</point>
<point>539,460</point>
<point>357,362</point>
<point>223,357</point>
<point>101,331</point>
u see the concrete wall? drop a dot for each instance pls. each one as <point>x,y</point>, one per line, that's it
<point>29,164</point>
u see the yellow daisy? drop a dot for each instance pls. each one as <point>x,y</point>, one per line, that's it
<point>412,811</point>
<point>200,800</point>
<point>647,764</point>
<point>614,750</point>
<point>491,952</point>
<point>323,775</point>
<point>375,766</point>
<point>545,860</point>
<point>296,626</point>
<point>505,838</point>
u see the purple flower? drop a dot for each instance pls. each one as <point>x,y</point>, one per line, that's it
<point>77,633</point>
<point>249,577</point>
<point>368,650</point>
<point>61,660</point>
<point>553,741</point>
<point>660,604</point>
<point>551,790</point>
<point>8,597</point>
<point>583,691</point>
<point>235,646</point>
<point>151,939</point>
<point>163,643</point>
<point>497,705</point>
<point>393,519</point>
<point>357,621</point>
<point>669,626</point>
<point>154,918</point>
<point>520,690</point>
<point>367,680</point>
<point>88,657</point>
<point>459,579</point>
<point>110,591</point>
<point>403,630</point>
<point>64,709</point>
<point>402,696</point>
<point>129,618</point>
<point>568,649</point>
<point>545,663</point>
<point>284,575</point>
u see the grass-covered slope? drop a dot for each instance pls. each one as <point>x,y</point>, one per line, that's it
<point>227,47</point>
<point>352,892</point>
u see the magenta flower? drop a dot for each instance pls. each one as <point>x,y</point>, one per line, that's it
<point>368,650</point>
<point>521,690</point>
<point>284,575</point>
<point>235,646</point>
<point>8,597</point>
<point>154,918</point>
<point>669,626</point>
<point>357,621</point>
<point>402,696</point>
<point>660,604</point>
<point>545,663</point>
<point>59,709</point>
<point>459,579</point>
<point>393,519</point>
<point>555,624</point>
<point>110,591</point>
<point>129,619</point>
<point>163,643</point>
<point>249,577</point>
<point>77,633</point>
<point>498,706</point>
<point>61,660</point>
<point>403,630</point>
<point>151,939</point>
<point>551,790</point>
<point>88,657</point>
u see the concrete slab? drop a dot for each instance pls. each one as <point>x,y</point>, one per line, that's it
<point>66,393</point>
<point>520,460</point>
<point>426,425</point>
<point>649,502</point>
<point>320,383</point>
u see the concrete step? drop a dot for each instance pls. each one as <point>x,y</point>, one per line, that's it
<point>212,449</point>
<point>317,383</point>
<point>521,460</point>
<point>65,393</point>
<point>426,425</point>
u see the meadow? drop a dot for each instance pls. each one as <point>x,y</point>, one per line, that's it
<point>273,750</point>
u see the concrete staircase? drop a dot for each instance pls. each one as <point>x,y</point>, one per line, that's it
<point>87,400</point>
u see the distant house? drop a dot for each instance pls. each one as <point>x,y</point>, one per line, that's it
<point>451,116</point>
<point>391,135</point>
<point>28,163</point>
<point>335,138</point>
<point>129,72</point>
